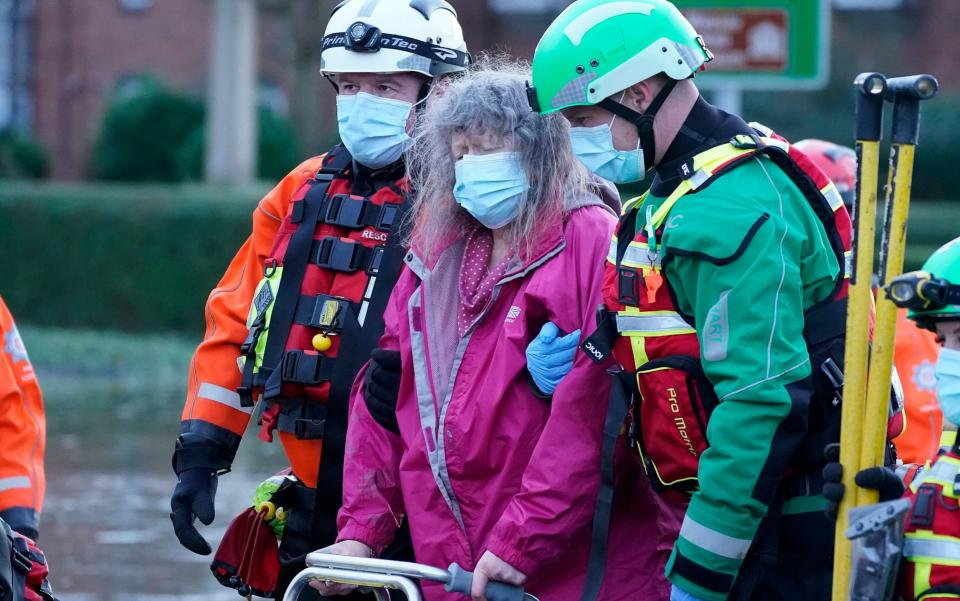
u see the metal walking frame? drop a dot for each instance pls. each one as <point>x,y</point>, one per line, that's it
<point>382,575</point>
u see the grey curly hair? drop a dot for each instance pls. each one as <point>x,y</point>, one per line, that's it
<point>490,101</point>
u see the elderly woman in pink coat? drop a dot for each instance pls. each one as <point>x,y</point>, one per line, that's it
<point>509,236</point>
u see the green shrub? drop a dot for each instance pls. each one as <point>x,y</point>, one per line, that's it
<point>276,149</point>
<point>156,134</point>
<point>21,157</point>
<point>143,131</point>
<point>118,257</point>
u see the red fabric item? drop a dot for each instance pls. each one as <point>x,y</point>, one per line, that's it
<point>36,587</point>
<point>677,403</point>
<point>933,517</point>
<point>476,282</point>
<point>248,555</point>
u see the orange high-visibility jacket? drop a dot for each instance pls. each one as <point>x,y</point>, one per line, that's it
<point>22,432</point>
<point>915,354</point>
<point>214,376</point>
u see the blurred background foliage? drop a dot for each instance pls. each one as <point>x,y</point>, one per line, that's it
<point>151,133</point>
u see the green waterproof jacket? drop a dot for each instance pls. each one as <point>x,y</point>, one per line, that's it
<point>747,255</point>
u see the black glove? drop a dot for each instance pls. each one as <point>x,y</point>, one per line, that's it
<point>197,461</point>
<point>882,479</point>
<point>381,386</point>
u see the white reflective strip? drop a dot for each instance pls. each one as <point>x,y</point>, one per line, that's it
<point>775,142</point>
<point>848,264</point>
<point>14,482</point>
<point>832,195</point>
<point>651,323</point>
<point>593,17</point>
<point>698,178</point>
<point>222,395</point>
<point>637,255</point>
<point>941,470</point>
<point>938,549</point>
<point>713,541</point>
<point>612,253</point>
<point>760,127</point>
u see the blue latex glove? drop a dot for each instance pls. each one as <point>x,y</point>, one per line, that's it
<point>550,356</point>
<point>678,594</point>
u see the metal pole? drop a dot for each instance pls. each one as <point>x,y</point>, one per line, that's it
<point>231,107</point>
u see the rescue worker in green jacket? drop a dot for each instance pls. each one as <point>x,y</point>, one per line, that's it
<point>724,300</point>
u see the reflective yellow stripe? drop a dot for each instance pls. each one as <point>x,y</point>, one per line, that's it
<point>947,438</point>
<point>704,165</point>
<point>632,203</point>
<point>832,195</point>
<point>921,577</point>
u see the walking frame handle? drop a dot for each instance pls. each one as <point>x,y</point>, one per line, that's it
<point>871,88</point>
<point>380,574</point>
<point>906,94</point>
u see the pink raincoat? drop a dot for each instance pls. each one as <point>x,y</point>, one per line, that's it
<point>481,463</point>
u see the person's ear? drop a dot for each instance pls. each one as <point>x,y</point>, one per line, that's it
<point>639,96</point>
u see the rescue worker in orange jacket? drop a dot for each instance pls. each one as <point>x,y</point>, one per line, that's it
<point>300,307</point>
<point>22,433</point>
<point>915,349</point>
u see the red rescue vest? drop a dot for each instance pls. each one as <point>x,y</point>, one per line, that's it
<point>311,312</point>
<point>654,343</point>
<point>931,567</point>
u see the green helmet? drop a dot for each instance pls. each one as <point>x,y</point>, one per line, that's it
<point>596,48</point>
<point>944,264</point>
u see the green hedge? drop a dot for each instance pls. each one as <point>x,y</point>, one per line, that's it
<point>120,257</point>
<point>144,258</point>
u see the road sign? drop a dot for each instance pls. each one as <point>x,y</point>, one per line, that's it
<point>763,44</point>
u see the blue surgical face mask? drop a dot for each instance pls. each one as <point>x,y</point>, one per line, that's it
<point>491,187</point>
<point>948,384</point>
<point>373,129</point>
<point>594,147</point>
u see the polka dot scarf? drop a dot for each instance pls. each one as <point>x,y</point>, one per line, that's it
<point>476,283</point>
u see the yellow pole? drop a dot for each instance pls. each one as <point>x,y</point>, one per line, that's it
<point>881,358</point>
<point>858,450</point>
<point>871,87</point>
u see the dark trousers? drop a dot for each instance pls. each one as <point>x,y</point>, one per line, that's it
<point>792,555</point>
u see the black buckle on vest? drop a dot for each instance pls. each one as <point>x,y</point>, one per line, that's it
<point>344,211</point>
<point>246,395</point>
<point>351,213</point>
<point>324,312</point>
<point>22,562</point>
<point>376,258</point>
<point>628,287</point>
<point>339,255</point>
<point>299,367</point>
<point>746,141</point>
<point>251,341</point>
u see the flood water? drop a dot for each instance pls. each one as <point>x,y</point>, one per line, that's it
<point>112,418</point>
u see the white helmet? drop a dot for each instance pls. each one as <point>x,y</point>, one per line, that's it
<point>392,36</point>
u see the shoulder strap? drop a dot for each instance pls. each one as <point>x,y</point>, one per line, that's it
<point>619,405</point>
<point>365,336</point>
<point>295,265</point>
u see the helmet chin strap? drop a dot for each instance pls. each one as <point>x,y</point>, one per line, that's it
<point>642,121</point>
